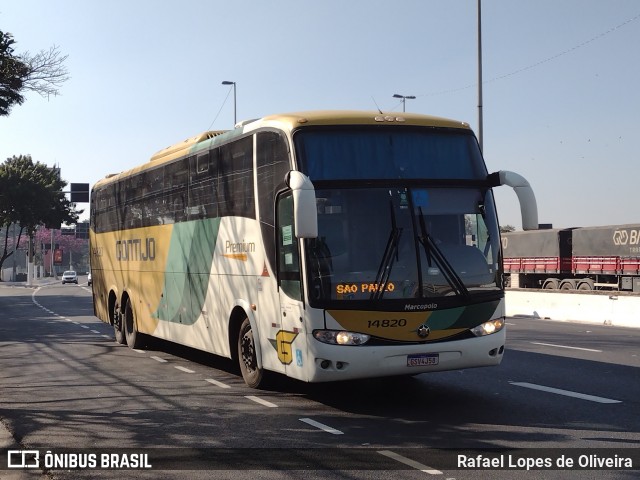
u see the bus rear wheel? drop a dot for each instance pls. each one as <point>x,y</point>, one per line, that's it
<point>119,333</point>
<point>129,326</point>
<point>247,358</point>
<point>118,328</point>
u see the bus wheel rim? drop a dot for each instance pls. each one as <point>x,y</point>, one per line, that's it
<point>248,351</point>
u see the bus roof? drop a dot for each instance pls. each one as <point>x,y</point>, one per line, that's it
<point>289,121</point>
<point>356,117</point>
<point>178,149</point>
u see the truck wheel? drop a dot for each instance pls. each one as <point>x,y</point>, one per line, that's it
<point>550,284</point>
<point>568,285</point>
<point>586,285</point>
<point>247,358</point>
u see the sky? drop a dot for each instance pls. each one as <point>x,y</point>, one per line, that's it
<point>560,91</point>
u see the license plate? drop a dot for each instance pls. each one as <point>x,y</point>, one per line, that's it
<point>423,359</point>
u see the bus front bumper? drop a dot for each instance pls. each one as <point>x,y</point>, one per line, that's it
<point>338,362</point>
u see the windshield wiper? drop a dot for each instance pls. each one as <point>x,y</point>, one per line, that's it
<point>431,250</point>
<point>390,251</point>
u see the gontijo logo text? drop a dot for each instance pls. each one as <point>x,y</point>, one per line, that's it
<point>136,249</point>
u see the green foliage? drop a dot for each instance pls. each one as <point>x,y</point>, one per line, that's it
<point>507,228</point>
<point>13,72</point>
<point>31,195</point>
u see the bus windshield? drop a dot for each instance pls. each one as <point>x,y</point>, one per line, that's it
<point>387,153</point>
<point>380,244</point>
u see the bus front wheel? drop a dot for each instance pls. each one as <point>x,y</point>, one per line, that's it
<point>247,358</point>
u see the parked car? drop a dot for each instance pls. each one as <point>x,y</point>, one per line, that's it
<point>69,277</point>
<point>89,282</point>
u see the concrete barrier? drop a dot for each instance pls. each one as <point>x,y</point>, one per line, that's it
<point>601,309</point>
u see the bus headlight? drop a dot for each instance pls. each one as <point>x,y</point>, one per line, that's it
<point>340,337</point>
<point>487,328</point>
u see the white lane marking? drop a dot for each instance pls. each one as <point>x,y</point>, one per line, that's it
<point>158,359</point>
<point>411,463</point>
<point>138,350</point>
<point>566,346</point>
<point>217,383</point>
<point>33,299</point>
<point>321,426</point>
<point>261,401</point>
<point>95,331</point>
<point>567,393</point>
<point>184,369</point>
<point>106,336</point>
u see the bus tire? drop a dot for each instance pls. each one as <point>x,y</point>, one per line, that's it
<point>251,373</point>
<point>129,323</point>
<point>119,334</point>
<point>118,330</point>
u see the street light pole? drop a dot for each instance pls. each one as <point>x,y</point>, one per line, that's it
<point>404,99</point>
<point>480,76</point>
<point>235,118</point>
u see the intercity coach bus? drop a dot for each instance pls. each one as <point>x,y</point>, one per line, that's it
<point>323,245</point>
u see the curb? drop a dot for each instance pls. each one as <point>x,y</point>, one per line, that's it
<point>37,284</point>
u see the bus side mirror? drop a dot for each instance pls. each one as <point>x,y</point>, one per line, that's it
<point>526,197</point>
<point>305,212</point>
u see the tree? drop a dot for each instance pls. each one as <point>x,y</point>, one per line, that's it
<point>31,194</point>
<point>507,228</point>
<point>13,71</point>
<point>43,73</point>
<point>46,71</point>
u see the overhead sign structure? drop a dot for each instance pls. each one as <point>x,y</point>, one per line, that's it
<point>80,192</point>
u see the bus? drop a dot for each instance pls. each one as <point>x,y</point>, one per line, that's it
<point>325,246</point>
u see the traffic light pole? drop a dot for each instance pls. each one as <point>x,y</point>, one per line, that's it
<point>30,262</point>
<point>51,254</point>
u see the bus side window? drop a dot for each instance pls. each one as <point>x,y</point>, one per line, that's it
<point>202,185</point>
<point>176,179</point>
<point>235,179</point>
<point>287,245</point>
<point>272,165</point>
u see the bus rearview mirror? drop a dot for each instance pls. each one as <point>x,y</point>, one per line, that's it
<point>305,211</point>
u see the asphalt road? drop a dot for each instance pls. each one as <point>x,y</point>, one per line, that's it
<point>563,389</point>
